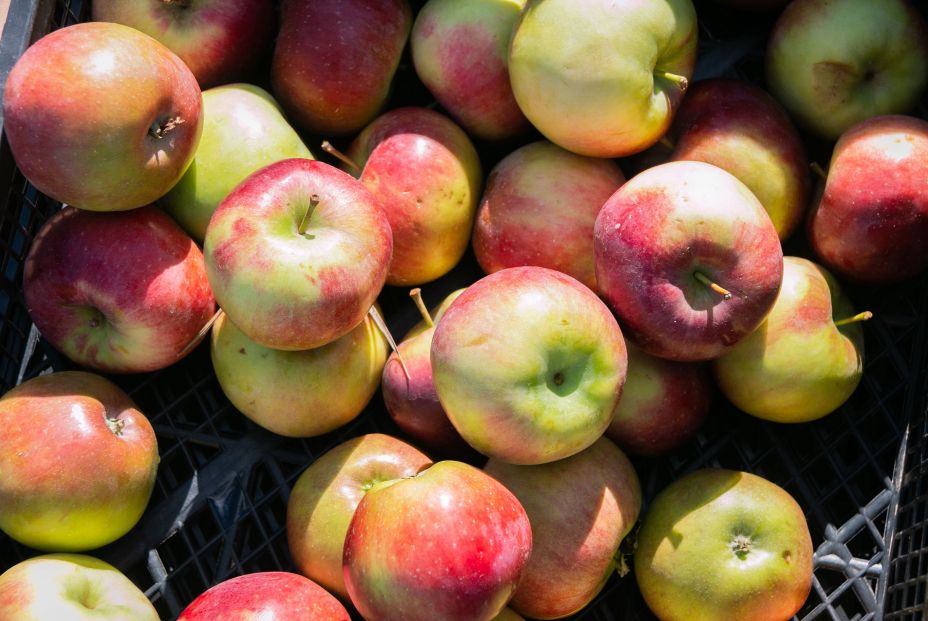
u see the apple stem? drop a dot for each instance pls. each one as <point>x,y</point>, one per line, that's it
<point>416,295</point>
<point>344,159</point>
<point>667,142</point>
<point>382,326</point>
<point>818,170</point>
<point>193,342</point>
<point>160,130</point>
<point>722,291</point>
<point>304,223</point>
<point>681,81</point>
<point>864,316</point>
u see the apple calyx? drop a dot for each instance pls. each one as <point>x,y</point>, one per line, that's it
<point>416,295</point>
<point>116,425</point>
<point>382,326</point>
<point>681,82</point>
<point>162,129</point>
<point>864,316</point>
<point>304,223</point>
<point>558,378</point>
<point>329,148</point>
<point>722,291</point>
<point>741,546</point>
<point>818,170</point>
<point>199,335</point>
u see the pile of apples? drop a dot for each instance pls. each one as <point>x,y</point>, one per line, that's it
<point>613,303</point>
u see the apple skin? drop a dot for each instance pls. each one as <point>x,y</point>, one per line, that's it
<point>741,129</point>
<point>539,208</point>
<point>696,523</point>
<point>413,402</point>
<point>324,498</point>
<point>618,104</point>
<point>450,543</point>
<point>244,130</point>
<point>665,225</point>
<point>580,509</point>
<point>529,365</point>
<point>797,366</point>
<point>326,81</point>
<point>460,51</point>
<point>84,477</point>
<point>290,291</point>
<point>426,173</point>
<point>871,224</point>
<point>81,108</point>
<point>265,596</point>
<point>75,587</point>
<point>834,63</point>
<point>219,40</point>
<point>120,292</point>
<point>663,404</point>
<point>291,392</point>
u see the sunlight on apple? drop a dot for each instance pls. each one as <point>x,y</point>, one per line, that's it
<point>101,63</point>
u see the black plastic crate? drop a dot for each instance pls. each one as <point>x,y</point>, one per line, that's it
<point>219,505</point>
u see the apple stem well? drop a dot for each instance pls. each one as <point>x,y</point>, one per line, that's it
<point>329,148</point>
<point>681,82</point>
<point>382,326</point>
<point>864,316</point>
<point>722,291</point>
<point>304,223</point>
<point>162,129</point>
<point>416,295</point>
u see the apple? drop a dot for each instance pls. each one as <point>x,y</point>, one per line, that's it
<point>806,359</point>
<point>539,208</point>
<point>450,543</point>
<point>871,224</point>
<point>741,129</point>
<point>334,60</point>
<point>688,259</point>
<point>528,364</point>
<point>101,116</point>
<point>411,400</point>
<point>580,509</point>
<point>324,498</point>
<point>220,40</point>
<point>121,292</point>
<point>297,254</point>
<point>265,596</point>
<point>834,63</point>
<point>244,130</point>
<point>77,462</point>
<point>602,78</point>
<point>426,173</point>
<point>460,51</point>
<point>299,394</point>
<point>663,404</point>
<point>72,587</point>
<point>720,544</point>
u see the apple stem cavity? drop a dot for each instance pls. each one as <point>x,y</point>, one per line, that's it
<point>160,130</point>
<point>329,148</point>
<point>416,295</point>
<point>818,170</point>
<point>382,326</point>
<point>304,223</point>
<point>199,336</point>
<point>864,316</point>
<point>681,82</point>
<point>722,291</point>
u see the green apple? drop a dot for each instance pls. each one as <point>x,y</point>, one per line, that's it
<point>244,129</point>
<point>834,63</point>
<point>299,393</point>
<point>806,359</point>
<point>528,364</point>
<point>718,544</point>
<point>71,587</point>
<point>602,78</point>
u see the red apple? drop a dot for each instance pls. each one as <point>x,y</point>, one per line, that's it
<point>335,59</point>
<point>580,509</point>
<point>450,543</point>
<point>297,254</point>
<point>871,224</point>
<point>539,208</point>
<point>101,116</point>
<point>741,129</point>
<point>220,40</point>
<point>265,596</point>
<point>121,292</point>
<point>688,259</point>
<point>77,462</point>
<point>324,498</point>
<point>460,51</point>
<point>663,404</point>
<point>426,173</point>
